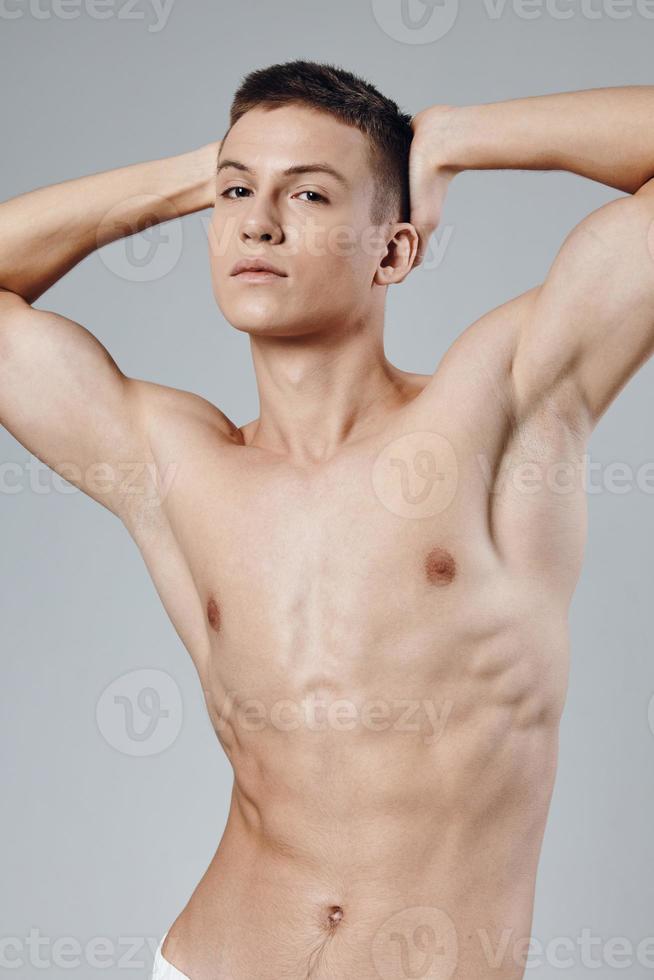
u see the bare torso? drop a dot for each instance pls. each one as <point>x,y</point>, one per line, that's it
<point>382,642</point>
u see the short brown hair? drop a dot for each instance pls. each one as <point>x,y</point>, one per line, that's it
<point>356,103</point>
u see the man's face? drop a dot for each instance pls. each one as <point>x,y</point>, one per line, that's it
<point>312,225</point>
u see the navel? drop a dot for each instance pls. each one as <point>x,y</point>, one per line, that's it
<point>440,566</point>
<point>213,614</point>
<point>334,915</point>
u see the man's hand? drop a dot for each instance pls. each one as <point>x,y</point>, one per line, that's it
<point>429,171</point>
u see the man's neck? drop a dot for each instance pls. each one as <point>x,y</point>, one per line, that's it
<point>318,392</point>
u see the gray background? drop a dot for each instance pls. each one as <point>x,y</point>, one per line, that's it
<point>100,843</point>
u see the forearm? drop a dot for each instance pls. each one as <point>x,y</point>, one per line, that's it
<point>45,232</point>
<point>606,134</point>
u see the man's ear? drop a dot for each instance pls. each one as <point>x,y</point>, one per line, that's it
<point>401,250</point>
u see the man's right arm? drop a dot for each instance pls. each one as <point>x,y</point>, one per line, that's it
<point>61,393</point>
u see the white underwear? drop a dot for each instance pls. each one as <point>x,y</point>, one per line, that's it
<point>163,970</point>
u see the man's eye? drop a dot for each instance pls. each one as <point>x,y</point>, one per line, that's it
<point>236,188</point>
<point>315,194</point>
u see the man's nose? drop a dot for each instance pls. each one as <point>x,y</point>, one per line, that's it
<point>261,225</point>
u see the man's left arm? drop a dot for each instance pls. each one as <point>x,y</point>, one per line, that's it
<point>590,325</point>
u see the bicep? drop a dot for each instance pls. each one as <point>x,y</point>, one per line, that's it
<point>590,325</point>
<point>63,397</point>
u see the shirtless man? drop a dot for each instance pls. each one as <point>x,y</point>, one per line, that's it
<point>373,577</point>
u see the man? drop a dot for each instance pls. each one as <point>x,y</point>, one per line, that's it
<point>372,577</point>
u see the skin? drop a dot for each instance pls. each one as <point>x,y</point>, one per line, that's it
<point>373,594</point>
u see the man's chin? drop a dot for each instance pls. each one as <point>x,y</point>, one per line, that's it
<point>269,328</point>
<point>262,322</point>
<point>272,319</point>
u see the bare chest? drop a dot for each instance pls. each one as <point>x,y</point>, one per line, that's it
<point>385,560</point>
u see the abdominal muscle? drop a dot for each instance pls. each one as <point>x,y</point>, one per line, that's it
<point>375,836</point>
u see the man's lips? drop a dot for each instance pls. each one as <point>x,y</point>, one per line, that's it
<point>255,267</point>
<point>255,274</point>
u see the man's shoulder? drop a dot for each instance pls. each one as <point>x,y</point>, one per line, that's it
<point>172,412</point>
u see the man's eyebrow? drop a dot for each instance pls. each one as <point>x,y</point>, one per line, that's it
<point>299,168</point>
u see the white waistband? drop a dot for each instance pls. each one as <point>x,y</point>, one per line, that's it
<point>163,970</point>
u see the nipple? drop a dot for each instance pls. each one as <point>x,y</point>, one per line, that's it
<point>334,916</point>
<point>213,614</point>
<point>440,567</point>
